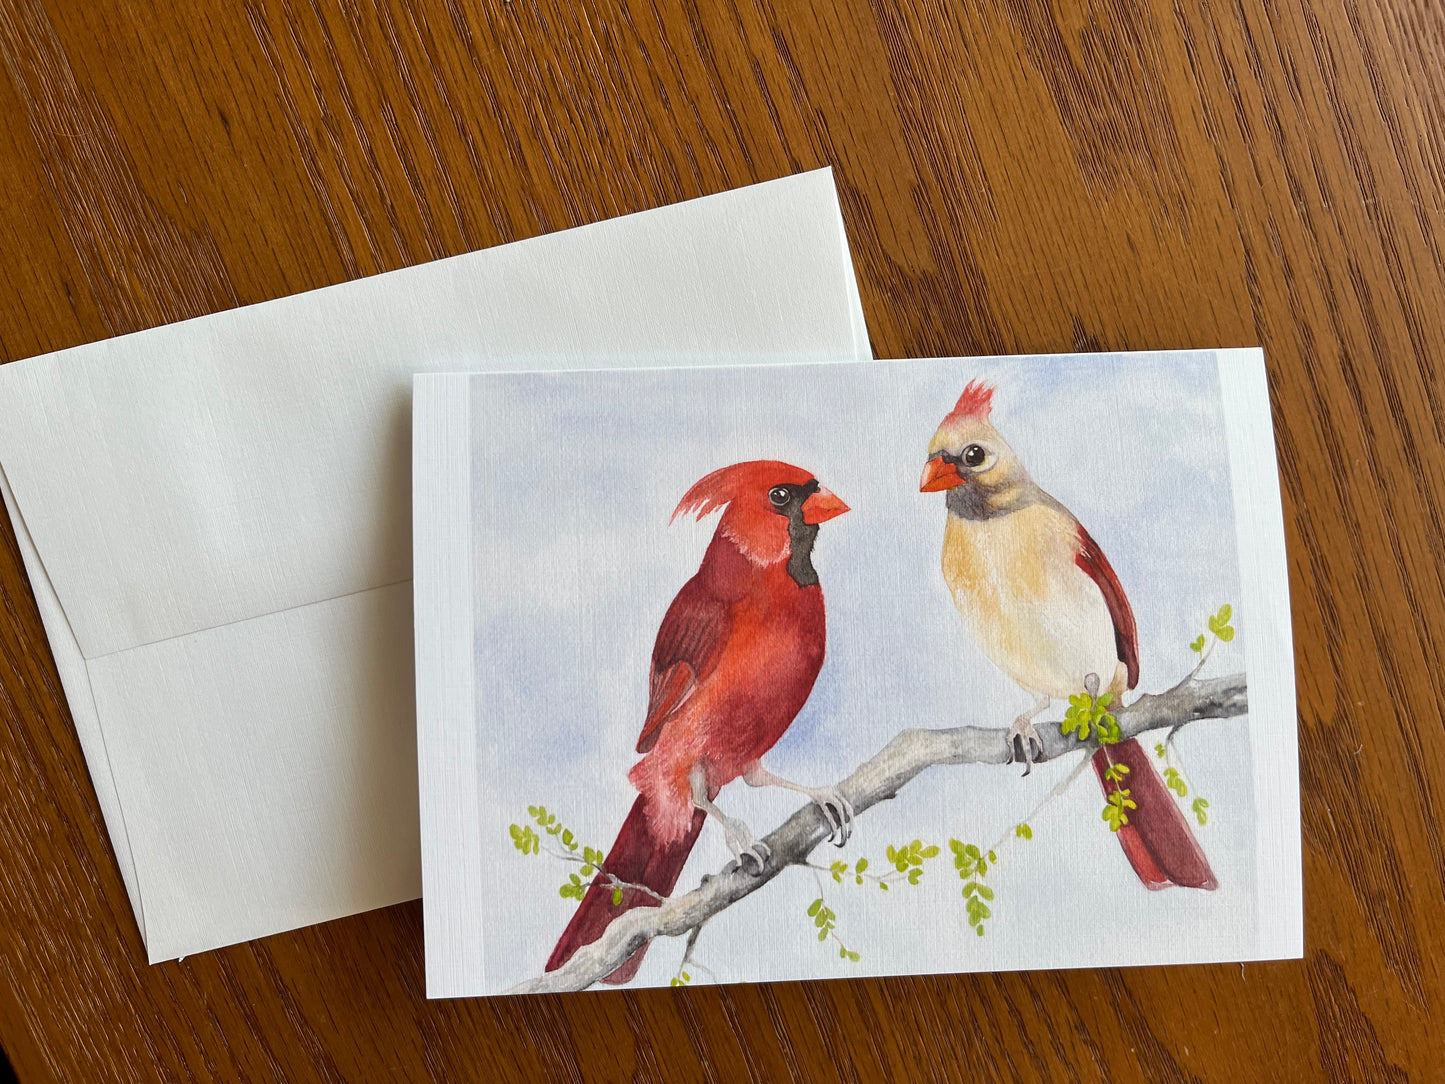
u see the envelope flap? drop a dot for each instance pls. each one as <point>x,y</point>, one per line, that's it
<point>257,460</point>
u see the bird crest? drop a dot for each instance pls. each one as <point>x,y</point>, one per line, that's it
<point>727,484</point>
<point>973,405</point>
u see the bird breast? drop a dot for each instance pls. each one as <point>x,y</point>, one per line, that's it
<point>1033,611</point>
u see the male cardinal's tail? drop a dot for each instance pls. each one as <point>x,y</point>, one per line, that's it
<point>639,859</point>
<point>1157,839</point>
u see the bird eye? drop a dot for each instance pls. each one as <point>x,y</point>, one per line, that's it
<point>974,455</point>
<point>779,495</point>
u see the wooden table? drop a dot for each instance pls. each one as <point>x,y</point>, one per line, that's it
<point>1017,175</point>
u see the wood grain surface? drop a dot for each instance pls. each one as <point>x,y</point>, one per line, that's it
<point>1016,175</point>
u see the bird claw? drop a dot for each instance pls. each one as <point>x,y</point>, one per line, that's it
<point>744,844</point>
<point>837,811</point>
<point>1022,731</point>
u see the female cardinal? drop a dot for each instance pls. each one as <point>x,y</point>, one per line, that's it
<point>734,662</point>
<point>1042,601</point>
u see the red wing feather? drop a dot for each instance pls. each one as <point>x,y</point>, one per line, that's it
<point>1126,634</point>
<point>687,649</point>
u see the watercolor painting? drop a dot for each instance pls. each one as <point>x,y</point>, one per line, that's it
<point>755,701</point>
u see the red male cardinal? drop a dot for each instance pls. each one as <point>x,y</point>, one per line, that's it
<point>734,662</point>
<point>1041,599</point>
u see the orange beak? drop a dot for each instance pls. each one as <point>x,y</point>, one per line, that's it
<point>938,474</point>
<point>822,506</point>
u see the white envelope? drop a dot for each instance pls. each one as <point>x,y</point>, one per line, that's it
<point>215,517</point>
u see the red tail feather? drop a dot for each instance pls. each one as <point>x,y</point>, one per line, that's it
<point>637,858</point>
<point>1157,840</point>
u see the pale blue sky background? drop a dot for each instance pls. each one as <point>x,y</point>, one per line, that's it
<point>576,475</point>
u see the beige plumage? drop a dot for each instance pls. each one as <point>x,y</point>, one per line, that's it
<point>1043,603</point>
<point>1031,585</point>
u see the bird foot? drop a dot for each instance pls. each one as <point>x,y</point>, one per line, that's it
<point>744,844</point>
<point>1022,731</point>
<point>837,811</point>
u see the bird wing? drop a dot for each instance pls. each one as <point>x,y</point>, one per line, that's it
<point>687,649</point>
<point>1126,633</point>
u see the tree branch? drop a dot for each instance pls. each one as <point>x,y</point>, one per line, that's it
<point>876,780</point>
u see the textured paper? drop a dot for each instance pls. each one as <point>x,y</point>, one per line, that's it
<point>541,582</point>
<point>214,516</point>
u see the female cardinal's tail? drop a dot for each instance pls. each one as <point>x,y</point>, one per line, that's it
<point>638,858</point>
<point>1157,839</point>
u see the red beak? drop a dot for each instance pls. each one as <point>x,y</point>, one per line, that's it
<point>822,506</point>
<point>938,474</point>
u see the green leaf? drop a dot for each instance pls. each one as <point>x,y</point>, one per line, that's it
<point>883,885</point>
<point>970,888</point>
<point>992,857</point>
<point>978,930</point>
<point>1225,613</point>
<point>913,875</point>
<point>893,854</point>
<point>616,897</point>
<point>985,892</point>
<point>574,878</point>
<point>822,935</point>
<point>930,852</point>
<point>815,907</point>
<point>586,871</point>
<point>1023,831</point>
<point>971,851</point>
<point>861,866</point>
<point>531,811</point>
<point>1075,722</point>
<point>1226,633</point>
<point>1199,807</point>
<point>1159,750</point>
<point>854,956</point>
<point>842,953</point>
<point>1197,644</point>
